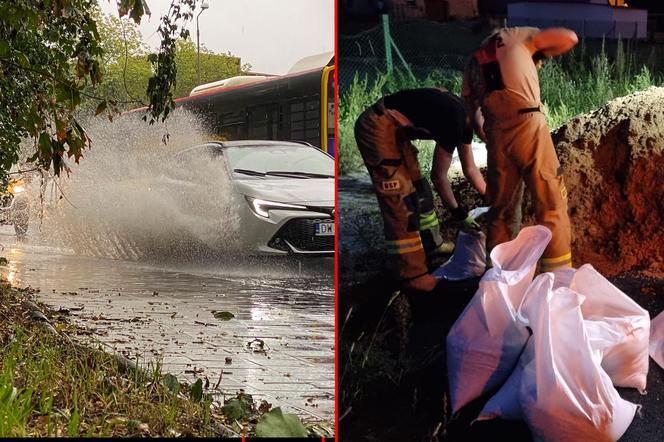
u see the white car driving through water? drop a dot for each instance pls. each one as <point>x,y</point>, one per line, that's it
<point>283,191</point>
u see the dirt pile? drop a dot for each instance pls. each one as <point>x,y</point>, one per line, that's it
<point>614,172</point>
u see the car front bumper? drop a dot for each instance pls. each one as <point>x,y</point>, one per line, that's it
<point>286,232</point>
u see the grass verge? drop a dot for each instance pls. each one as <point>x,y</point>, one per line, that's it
<point>53,386</point>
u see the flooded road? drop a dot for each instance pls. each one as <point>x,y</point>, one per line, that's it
<point>279,346</point>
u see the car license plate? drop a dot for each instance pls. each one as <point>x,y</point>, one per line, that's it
<point>324,229</point>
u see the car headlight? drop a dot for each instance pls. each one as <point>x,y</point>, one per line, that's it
<point>263,207</point>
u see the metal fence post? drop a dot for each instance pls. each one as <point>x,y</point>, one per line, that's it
<point>388,42</point>
<point>583,28</point>
<point>403,61</point>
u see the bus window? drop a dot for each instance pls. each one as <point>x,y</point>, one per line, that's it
<point>264,122</point>
<point>304,121</point>
<point>276,120</point>
<point>258,123</point>
<point>297,121</point>
<point>232,125</point>
<point>312,122</point>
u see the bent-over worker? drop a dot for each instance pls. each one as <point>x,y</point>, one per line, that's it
<point>384,133</point>
<point>501,78</point>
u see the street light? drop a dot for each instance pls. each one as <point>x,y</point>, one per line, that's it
<point>204,6</point>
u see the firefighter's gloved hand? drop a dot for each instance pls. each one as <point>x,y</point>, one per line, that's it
<point>460,213</point>
<point>471,223</point>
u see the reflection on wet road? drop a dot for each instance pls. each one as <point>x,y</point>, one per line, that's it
<point>279,346</point>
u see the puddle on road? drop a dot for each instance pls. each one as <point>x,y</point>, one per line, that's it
<point>165,312</point>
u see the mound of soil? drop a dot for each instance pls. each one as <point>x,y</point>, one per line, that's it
<point>614,172</point>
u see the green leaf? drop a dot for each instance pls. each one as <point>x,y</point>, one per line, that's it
<point>45,146</point>
<point>74,420</point>
<point>196,392</point>
<point>4,48</point>
<point>23,60</point>
<point>239,407</point>
<point>224,316</point>
<point>171,382</point>
<point>277,424</point>
<point>72,430</point>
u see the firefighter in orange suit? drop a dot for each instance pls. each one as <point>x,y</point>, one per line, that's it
<point>501,80</point>
<point>383,133</point>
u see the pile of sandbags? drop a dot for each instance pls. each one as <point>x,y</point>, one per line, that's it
<point>552,348</point>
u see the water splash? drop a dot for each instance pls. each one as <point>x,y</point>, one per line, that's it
<point>129,199</point>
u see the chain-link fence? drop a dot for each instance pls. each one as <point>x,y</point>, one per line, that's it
<point>416,48</point>
<point>423,47</point>
<point>419,53</point>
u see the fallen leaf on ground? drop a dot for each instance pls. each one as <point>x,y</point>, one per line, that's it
<point>277,424</point>
<point>224,316</point>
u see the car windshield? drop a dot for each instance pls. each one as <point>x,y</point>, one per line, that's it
<point>288,161</point>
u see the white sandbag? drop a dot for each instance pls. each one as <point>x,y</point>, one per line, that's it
<point>505,403</point>
<point>468,260</point>
<point>565,395</point>
<point>626,362</point>
<point>657,339</point>
<point>563,277</point>
<point>485,342</point>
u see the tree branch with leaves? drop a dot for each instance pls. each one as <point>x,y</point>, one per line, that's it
<point>51,57</point>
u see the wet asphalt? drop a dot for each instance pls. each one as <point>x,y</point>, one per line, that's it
<point>278,346</point>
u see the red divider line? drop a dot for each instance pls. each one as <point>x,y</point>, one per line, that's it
<point>336,222</point>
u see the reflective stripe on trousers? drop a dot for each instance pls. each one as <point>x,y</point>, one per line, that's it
<point>402,246</point>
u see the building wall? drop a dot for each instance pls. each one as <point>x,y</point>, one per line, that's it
<point>463,9</point>
<point>407,9</point>
<point>587,20</point>
<point>362,7</point>
<point>439,10</point>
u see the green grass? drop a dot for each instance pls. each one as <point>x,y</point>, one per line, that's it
<point>52,386</point>
<point>572,84</point>
<point>49,388</point>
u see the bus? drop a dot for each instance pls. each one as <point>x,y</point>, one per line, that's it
<point>298,106</point>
